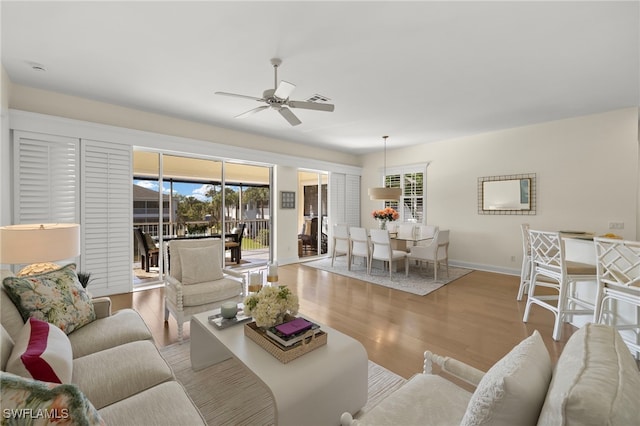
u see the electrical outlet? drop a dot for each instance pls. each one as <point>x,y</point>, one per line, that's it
<point>513,258</point>
<point>616,225</point>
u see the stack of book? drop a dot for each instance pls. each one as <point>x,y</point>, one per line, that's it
<point>292,333</point>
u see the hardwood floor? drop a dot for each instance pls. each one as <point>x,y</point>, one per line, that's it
<point>475,319</point>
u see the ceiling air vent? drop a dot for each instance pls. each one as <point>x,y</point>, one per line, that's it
<point>318,98</point>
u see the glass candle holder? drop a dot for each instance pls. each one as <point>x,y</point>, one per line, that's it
<point>272,272</point>
<point>255,282</point>
<point>229,310</point>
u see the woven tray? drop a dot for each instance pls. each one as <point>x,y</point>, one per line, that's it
<point>253,332</point>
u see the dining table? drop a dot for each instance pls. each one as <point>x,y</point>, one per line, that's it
<point>405,242</point>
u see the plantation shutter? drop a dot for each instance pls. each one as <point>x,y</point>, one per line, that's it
<point>352,197</point>
<point>46,181</point>
<point>412,181</point>
<point>337,185</point>
<point>345,199</point>
<point>106,216</point>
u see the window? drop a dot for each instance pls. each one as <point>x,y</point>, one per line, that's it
<point>411,179</point>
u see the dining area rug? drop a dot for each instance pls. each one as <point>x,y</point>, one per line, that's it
<point>420,280</point>
<point>228,394</point>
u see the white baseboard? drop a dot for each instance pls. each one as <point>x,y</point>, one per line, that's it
<point>488,268</point>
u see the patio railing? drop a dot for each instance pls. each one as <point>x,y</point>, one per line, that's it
<point>256,235</point>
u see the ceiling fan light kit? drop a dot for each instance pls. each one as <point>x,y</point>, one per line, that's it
<point>278,99</point>
<point>384,193</point>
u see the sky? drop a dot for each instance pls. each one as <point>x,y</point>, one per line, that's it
<point>196,190</point>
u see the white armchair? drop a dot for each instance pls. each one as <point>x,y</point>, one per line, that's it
<point>196,281</point>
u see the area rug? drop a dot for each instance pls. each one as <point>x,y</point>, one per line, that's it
<point>420,280</point>
<point>228,394</point>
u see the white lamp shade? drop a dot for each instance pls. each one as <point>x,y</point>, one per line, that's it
<point>385,194</point>
<point>34,243</point>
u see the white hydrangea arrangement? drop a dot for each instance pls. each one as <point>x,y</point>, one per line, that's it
<point>269,306</point>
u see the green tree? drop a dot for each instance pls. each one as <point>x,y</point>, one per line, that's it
<point>190,208</point>
<point>230,201</point>
<point>259,196</point>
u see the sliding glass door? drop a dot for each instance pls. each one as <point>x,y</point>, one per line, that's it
<point>199,197</point>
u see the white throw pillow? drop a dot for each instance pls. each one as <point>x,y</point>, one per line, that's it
<point>200,264</point>
<point>513,390</point>
<point>43,352</point>
<point>596,381</point>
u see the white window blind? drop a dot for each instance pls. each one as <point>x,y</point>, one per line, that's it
<point>106,216</point>
<point>46,178</point>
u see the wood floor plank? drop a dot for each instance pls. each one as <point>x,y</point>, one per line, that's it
<point>475,319</point>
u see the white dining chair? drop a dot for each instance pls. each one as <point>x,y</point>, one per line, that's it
<point>405,230</point>
<point>341,244</point>
<point>618,269</point>
<point>525,271</point>
<point>359,244</point>
<point>436,252</point>
<point>426,234</point>
<point>550,270</point>
<point>381,249</point>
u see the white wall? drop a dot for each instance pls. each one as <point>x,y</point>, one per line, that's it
<point>587,176</point>
<point>286,179</point>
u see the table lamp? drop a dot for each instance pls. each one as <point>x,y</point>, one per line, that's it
<point>38,245</point>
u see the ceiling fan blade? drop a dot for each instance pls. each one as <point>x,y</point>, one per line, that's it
<point>252,111</point>
<point>235,95</point>
<point>311,105</point>
<point>284,90</point>
<point>289,116</point>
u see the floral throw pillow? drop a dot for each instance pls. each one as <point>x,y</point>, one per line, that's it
<point>28,401</point>
<point>56,297</point>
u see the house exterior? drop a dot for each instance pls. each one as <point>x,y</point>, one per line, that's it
<point>145,206</point>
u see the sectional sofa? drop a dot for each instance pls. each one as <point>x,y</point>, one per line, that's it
<point>115,374</point>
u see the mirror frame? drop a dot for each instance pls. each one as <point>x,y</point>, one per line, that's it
<point>532,194</point>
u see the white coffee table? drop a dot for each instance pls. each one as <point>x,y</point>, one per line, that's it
<point>314,389</point>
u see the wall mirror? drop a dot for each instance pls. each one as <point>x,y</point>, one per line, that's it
<point>507,194</point>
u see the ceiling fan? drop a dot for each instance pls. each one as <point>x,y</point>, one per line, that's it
<point>278,99</point>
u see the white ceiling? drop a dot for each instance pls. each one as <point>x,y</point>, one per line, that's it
<point>416,71</point>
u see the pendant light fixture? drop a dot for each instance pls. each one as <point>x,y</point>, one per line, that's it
<point>384,193</point>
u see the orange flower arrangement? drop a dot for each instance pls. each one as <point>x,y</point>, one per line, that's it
<point>386,214</point>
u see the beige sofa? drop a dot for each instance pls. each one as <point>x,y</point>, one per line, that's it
<point>595,382</point>
<point>117,367</point>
